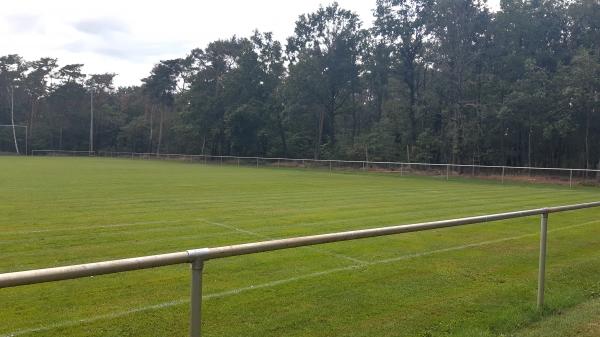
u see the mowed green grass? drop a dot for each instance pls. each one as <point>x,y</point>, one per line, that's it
<point>477,280</point>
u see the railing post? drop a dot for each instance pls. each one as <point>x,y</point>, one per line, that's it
<point>196,299</point>
<point>447,172</point>
<point>542,267</point>
<point>503,167</point>
<point>571,178</point>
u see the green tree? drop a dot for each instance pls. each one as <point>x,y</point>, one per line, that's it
<point>160,88</point>
<point>459,28</point>
<point>402,26</point>
<point>580,82</point>
<point>325,62</point>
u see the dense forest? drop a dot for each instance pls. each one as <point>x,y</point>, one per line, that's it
<point>444,81</point>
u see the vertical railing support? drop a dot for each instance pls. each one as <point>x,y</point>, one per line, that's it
<point>503,168</point>
<point>447,172</point>
<point>571,178</point>
<point>196,299</point>
<point>542,267</point>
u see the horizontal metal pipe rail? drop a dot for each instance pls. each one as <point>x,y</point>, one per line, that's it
<point>197,257</point>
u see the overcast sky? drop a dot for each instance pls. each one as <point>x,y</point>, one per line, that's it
<point>128,36</point>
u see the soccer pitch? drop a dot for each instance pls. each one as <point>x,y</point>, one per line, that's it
<point>477,280</point>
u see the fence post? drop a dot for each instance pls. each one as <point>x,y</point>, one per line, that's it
<point>196,300</point>
<point>330,166</point>
<point>503,167</point>
<point>256,162</point>
<point>542,266</point>
<point>448,172</point>
<point>571,178</point>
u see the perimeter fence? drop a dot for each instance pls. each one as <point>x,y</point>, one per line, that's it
<point>564,176</point>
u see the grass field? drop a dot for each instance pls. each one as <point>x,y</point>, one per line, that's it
<point>477,280</point>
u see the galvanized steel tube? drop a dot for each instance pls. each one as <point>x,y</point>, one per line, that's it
<point>542,261</point>
<point>90,269</point>
<point>108,267</point>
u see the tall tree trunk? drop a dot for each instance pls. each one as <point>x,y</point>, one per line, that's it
<point>12,117</point>
<point>151,129</point>
<point>587,141</point>
<point>379,106</point>
<point>31,117</point>
<point>354,119</point>
<point>282,134</point>
<point>331,115</point>
<point>160,130</point>
<point>529,150</point>
<point>411,114</point>
<point>319,134</point>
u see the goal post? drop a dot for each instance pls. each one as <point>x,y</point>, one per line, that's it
<point>13,138</point>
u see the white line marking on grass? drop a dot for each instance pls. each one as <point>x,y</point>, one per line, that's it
<point>233,292</point>
<point>261,236</point>
<point>69,229</point>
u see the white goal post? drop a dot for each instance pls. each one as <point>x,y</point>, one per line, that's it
<point>15,138</point>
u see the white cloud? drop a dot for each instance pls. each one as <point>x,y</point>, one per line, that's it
<point>129,36</point>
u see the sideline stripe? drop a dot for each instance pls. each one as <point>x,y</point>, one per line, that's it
<point>66,324</point>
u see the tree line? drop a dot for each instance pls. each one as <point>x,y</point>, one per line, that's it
<point>430,80</point>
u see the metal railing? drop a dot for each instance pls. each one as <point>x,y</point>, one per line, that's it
<point>197,257</point>
<point>570,176</point>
